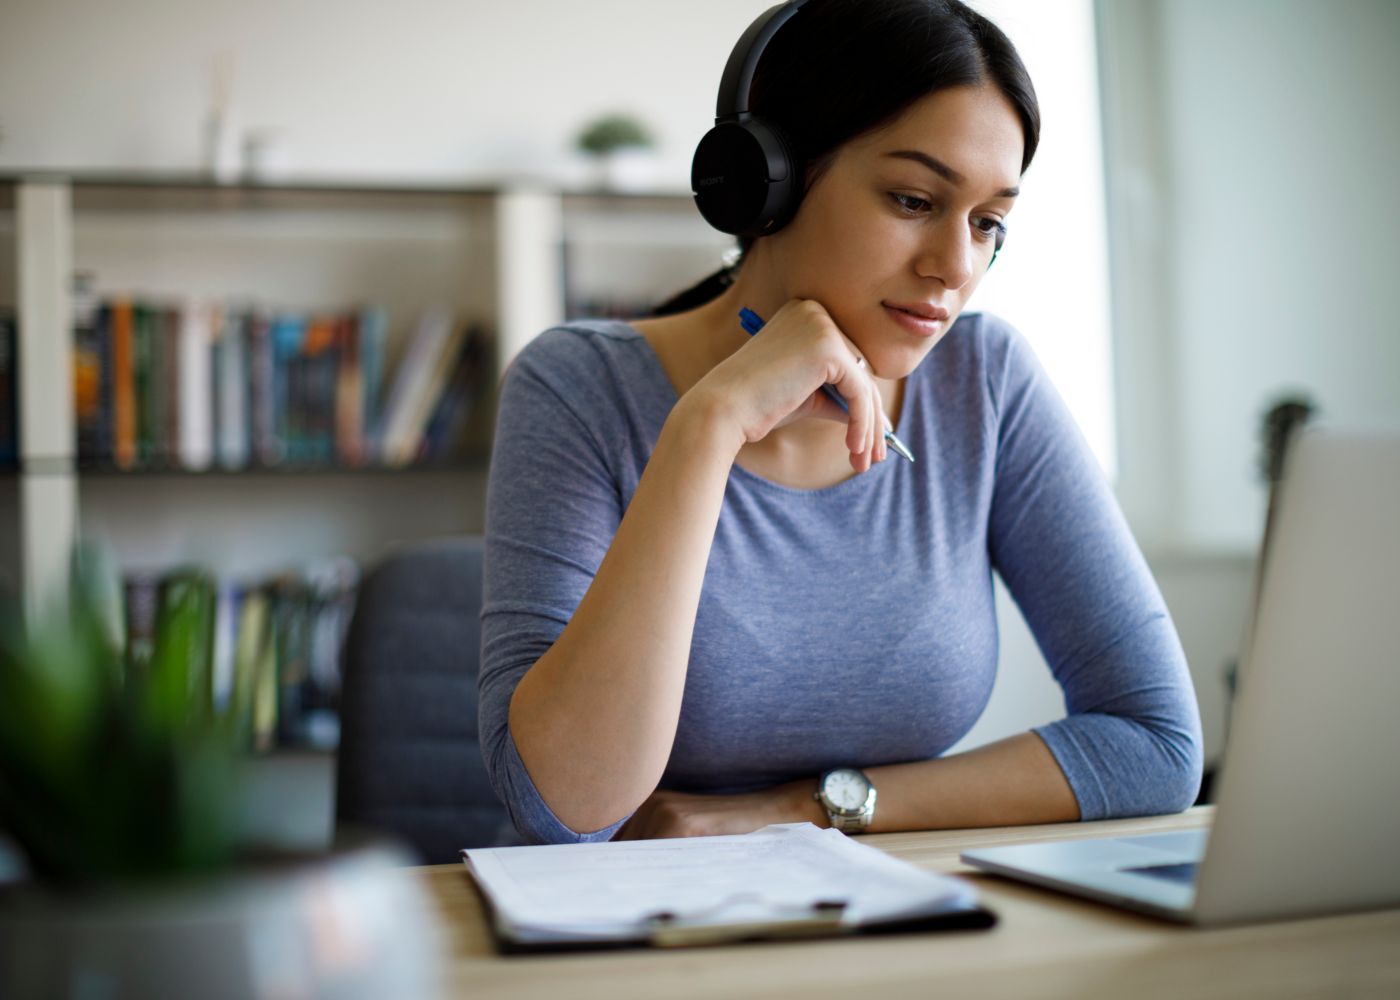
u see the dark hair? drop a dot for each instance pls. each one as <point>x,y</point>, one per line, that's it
<point>842,68</point>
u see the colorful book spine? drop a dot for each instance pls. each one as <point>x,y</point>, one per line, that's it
<point>87,377</point>
<point>102,454</point>
<point>170,413</point>
<point>267,449</point>
<point>195,383</point>
<point>123,385</point>
<point>372,327</point>
<point>143,369</point>
<point>316,406</point>
<point>443,438</point>
<point>264,656</point>
<point>349,395</point>
<point>416,385</point>
<point>287,335</point>
<point>231,390</point>
<point>200,385</point>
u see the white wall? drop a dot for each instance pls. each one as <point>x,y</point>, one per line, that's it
<point>1255,224</point>
<point>1253,146</point>
<point>417,89</point>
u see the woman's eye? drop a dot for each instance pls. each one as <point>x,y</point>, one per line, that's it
<point>988,227</point>
<point>911,204</point>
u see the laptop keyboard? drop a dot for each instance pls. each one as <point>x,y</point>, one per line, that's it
<point>1185,874</point>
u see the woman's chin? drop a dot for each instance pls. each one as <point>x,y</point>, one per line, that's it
<point>900,363</point>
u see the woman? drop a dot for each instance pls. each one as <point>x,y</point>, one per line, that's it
<point>715,601</point>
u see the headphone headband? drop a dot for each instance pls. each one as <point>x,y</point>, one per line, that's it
<point>733,102</point>
<point>744,177</point>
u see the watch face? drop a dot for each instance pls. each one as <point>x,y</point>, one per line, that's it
<point>846,789</point>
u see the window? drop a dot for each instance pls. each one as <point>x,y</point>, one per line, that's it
<point>1051,281</point>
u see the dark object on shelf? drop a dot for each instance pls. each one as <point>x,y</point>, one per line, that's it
<point>9,371</point>
<point>410,762</point>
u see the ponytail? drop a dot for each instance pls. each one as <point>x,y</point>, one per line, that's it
<point>708,288</point>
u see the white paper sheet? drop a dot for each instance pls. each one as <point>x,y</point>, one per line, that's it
<point>613,889</point>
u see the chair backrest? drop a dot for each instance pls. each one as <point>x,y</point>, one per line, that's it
<point>410,763</point>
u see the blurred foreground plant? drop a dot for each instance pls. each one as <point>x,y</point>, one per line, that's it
<point>116,769</point>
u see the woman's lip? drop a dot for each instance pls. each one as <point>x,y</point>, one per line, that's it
<point>920,325</point>
<point>920,309</point>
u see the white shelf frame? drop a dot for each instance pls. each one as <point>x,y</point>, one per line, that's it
<point>48,486</point>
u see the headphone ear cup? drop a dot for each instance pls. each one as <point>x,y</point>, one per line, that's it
<point>744,179</point>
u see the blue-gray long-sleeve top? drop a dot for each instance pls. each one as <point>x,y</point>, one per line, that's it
<point>852,625</point>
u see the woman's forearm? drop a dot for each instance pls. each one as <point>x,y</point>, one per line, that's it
<point>595,717</point>
<point>1011,782</point>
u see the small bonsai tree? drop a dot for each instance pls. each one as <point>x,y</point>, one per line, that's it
<point>613,132</point>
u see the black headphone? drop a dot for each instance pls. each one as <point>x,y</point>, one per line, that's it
<point>745,178</point>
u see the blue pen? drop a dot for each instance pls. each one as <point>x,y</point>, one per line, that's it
<point>752,322</point>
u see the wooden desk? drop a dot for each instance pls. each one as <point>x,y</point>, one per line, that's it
<point>1045,945</point>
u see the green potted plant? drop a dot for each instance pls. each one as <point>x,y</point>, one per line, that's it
<point>120,785</point>
<point>623,151</point>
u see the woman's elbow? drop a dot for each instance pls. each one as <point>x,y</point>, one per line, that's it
<point>1181,778</point>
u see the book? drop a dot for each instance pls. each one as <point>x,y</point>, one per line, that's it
<point>123,385</point>
<point>230,380</point>
<point>372,329</point>
<point>146,381</point>
<point>102,445</point>
<point>183,639</point>
<point>199,384</point>
<point>266,446</point>
<point>87,368</point>
<point>169,413</point>
<point>286,335</point>
<point>785,880</point>
<point>9,374</point>
<point>228,600</point>
<point>195,379</point>
<point>255,673</point>
<point>314,407</point>
<point>349,395</point>
<point>421,375</point>
<point>455,406</point>
<point>140,600</point>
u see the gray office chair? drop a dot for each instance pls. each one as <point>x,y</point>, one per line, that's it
<point>410,764</point>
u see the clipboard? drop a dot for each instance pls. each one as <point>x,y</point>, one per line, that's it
<point>818,926</point>
<point>879,895</point>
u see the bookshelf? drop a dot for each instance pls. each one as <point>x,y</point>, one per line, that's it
<point>511,259</point>
<point>514,258</point>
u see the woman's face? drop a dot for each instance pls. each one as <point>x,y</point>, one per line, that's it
<point>896,234</point>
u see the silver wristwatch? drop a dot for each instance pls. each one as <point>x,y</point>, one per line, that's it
<point>848,798</point>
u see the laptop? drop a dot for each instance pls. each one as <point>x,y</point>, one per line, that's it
<point>1307,820</point>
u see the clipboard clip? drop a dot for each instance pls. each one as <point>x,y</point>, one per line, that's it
<point>704,926</point>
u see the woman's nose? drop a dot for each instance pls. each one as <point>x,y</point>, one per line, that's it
<point>948,256</point>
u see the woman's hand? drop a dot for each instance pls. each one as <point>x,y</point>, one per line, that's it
<point>677,814</point>
<point>775,379</point>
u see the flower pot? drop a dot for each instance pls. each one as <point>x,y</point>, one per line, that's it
<point>353,924</point>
